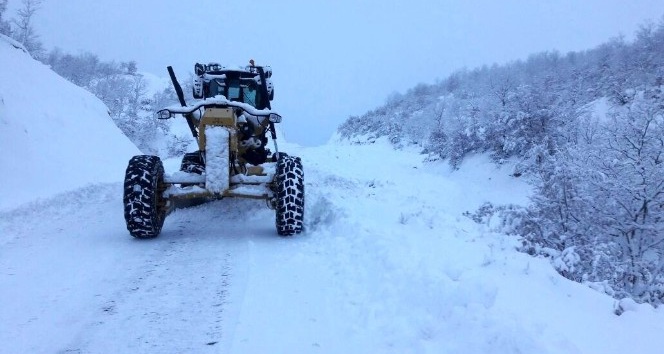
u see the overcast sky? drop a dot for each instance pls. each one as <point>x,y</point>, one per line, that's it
<point>333,59</point>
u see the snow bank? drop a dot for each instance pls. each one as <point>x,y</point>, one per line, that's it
<point>388,264</point>
<point>54,136</point>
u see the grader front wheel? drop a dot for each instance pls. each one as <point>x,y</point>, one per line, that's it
<point>144,207</point>
<point>289,182</point>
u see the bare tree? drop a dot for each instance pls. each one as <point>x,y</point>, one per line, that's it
<point>24,31</point>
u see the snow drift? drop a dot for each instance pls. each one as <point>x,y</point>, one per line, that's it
<point>54,136</point>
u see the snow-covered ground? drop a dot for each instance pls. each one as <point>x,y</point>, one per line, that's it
<point>388,263</point>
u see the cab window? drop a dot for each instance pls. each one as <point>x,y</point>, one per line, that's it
<point>249,94</point>
<point>234,90</point>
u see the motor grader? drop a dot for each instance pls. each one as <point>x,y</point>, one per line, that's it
<point>230,119</point>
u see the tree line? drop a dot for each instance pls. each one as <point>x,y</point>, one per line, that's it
<point>587,130</point>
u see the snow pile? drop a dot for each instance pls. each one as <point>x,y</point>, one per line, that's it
<point>54,136</point>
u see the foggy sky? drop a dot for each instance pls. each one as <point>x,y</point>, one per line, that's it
<point>332,59</point>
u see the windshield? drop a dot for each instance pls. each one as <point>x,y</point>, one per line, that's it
<point>239,90</point>
<point>249,94</point>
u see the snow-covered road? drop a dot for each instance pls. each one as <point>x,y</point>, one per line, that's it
<point>77,282</point>
<point>388,264</point>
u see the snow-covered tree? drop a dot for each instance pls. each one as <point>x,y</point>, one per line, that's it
<point>597,206</point>
<point>627,165</point>
<point>599,203</point>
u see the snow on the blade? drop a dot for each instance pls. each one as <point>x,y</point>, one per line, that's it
<point>251,179</point>
<point>252,190</point>
<point>175,191</point>
<point>183,177</point>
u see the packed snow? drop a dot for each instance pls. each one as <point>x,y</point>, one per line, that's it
<point>217,155</point>
<point>387,263</point>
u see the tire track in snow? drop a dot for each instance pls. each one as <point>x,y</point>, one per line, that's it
<point>79,283</point>
<point>175,299</point>
<point>171,301</point>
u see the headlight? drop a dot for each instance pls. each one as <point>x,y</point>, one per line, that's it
<point>275,118</point>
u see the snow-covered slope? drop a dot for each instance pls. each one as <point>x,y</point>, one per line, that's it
<point>54,136</point>
<point>388,264</point>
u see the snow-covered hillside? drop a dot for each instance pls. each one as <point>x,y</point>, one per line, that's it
<point>54,136</point>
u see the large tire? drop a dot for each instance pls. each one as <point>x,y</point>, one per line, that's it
<point>144,206</point>
<point>289,189</point>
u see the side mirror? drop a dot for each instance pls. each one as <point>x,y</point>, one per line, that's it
<point>274,118</point>
<point>164,114</point>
